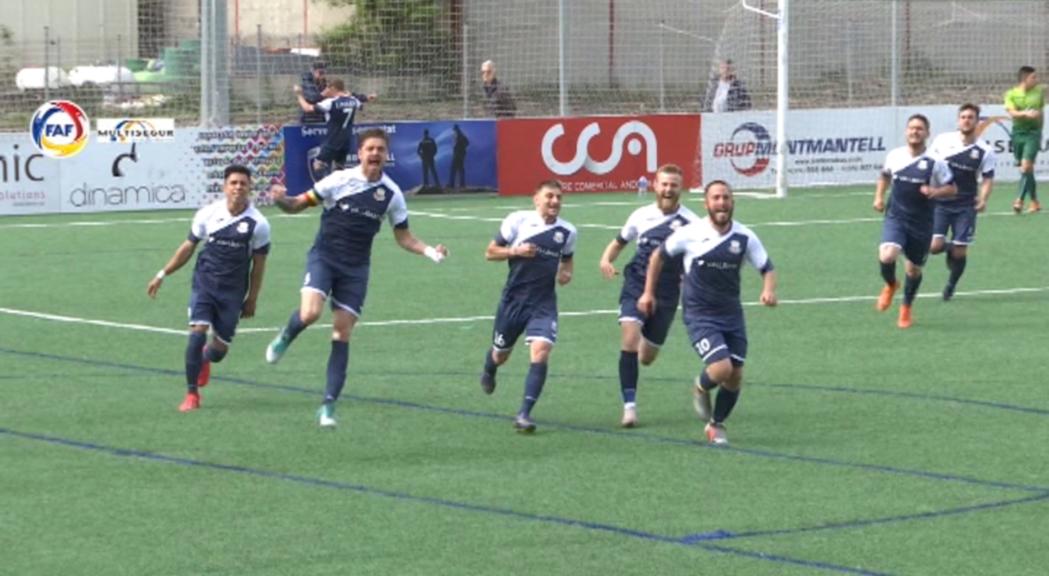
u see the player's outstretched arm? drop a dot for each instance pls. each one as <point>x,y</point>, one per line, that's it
<point>292,205</point>
<point>408,241</point>
<point>608,257</point>
<point>182,255</point>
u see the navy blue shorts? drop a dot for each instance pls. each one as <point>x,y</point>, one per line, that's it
<point>514,318</point>
<point>329,154</point>
<point>220,313</point>
<point>715,339</point>
<point>347,286</point>
<point>654,329</point>
<point>960,222</point>
<point>914,243</point>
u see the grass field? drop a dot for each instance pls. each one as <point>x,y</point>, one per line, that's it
<point>856,447</point>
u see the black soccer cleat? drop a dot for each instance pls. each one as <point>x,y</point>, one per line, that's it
<point>487,382</point>
<point>948,292</point>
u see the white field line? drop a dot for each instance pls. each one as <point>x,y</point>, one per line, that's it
<point>469,319</point>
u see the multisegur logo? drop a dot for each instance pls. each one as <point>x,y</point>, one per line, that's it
<point>124,130</point>
<point>59,129</point>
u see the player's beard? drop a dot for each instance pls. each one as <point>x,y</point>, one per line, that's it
<point>722,218</point>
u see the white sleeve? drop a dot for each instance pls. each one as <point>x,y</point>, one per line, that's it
<point>756,254</point>
<point>569,244</point>
<point>199,228</point>
<point>941,173</point>
<point>324,105</point>
<point>261,238</point>
<point>508,229</point>
<point>934,148</point>
<point>886,168</point>
<point>629,231</point>
<point>989,164</point>
<point>325,189</point>
<point>675,243</point>
<point>397,210</point>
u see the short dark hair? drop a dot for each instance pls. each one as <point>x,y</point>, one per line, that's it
<point>549,184</point>
<point>969,106</point>
<point>319,65</point>
<point>1024,72</point>
<point>236,169</point>
<point>373,133</point>
<point>713,183</point>
<point>919,117</point>
<point>337,84</point>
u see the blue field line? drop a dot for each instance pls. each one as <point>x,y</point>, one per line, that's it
<point>860,523</point>
<point>441,502</point>
<point>616,433</point>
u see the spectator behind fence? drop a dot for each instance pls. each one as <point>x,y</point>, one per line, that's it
<point>497,99</point>
<point>726,92</point>
<point>313,84</point>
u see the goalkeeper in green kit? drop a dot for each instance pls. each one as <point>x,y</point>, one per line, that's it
<point>1025,103</point>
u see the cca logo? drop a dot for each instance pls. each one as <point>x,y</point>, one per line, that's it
<point>59,129</point>
<point>582,158</point>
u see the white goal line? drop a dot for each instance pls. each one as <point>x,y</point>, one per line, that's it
<point>486,318</point>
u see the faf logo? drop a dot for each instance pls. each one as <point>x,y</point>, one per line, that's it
<point>59,129</point>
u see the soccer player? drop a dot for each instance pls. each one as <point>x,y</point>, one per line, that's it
<point>226,279</point>
<point>1024,103</point>
<point>355,202</point>
<point>713,250</point>
<point>971,160</point>
<point>641,335</point>
<point>917,179</point>
<point>538,244</point>
<point>339,107</point>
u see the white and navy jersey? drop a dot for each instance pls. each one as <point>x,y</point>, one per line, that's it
<point>533,279</point>
<point>353,212</point>
<point>340,111</point>
<point>909,173</point>
<point>968,163</point>
<point>224,265</point>
<point>651,227</point>
<point>712,262</point>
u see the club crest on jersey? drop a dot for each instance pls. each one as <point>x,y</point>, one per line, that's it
<point>734,247</point>
<point>559,237</point>
<point>974,154</point>
<point>242,228</point>
<point>923,164</point>
<point>675,224</point>
<point>380,194</point>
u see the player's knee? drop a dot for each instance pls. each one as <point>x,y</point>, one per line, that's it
<point>540,353</point>
<point>309,314</point>
<point>648,355</point>
<point>217,351</point>
<point>735,380</point>
<point>720,371</point>
<point>959,251</point>
<point>937,246</point>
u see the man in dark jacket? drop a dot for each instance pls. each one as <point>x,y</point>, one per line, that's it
<point>313,84</point>
<point>497,99</point>
<point>726,92</point>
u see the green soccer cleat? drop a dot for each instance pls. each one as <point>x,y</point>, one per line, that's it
<point>277,348</point>
<point>326,416</point>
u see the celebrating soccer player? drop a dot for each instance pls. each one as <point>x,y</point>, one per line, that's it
<point>355,202</point>
<point>227,278</point>
<point>970,160</point>
<point>641,335</point>
<point>538,244</point>
<point>713,250</point>
<point>917,179</point>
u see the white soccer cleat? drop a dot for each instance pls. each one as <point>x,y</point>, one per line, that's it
<point>701,402</point>
<point>629,417</point>
<point>326,416</point>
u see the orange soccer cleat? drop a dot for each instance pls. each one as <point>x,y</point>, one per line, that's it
<point>1035,207</point>
<point>192,402</point>
<point>905,317</point>
<point>205,370</point>
<point>885,298</point>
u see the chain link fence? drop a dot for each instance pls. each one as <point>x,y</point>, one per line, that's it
<point>423,57</point>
